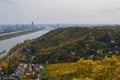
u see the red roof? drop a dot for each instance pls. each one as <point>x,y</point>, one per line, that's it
<point>19,65</point>
<point>29,72</point>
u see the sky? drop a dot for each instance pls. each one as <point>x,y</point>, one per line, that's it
<point>60,11</point>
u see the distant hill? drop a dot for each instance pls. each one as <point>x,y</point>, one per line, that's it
<point>69,44</point>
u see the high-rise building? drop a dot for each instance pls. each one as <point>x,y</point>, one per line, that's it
<point>32,24</point>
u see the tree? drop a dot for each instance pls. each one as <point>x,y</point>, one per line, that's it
<point>4,67</point>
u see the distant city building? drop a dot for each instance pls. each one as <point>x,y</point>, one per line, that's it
<point>32,24</point>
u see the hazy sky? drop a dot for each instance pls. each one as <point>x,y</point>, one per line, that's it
<point>62,11</point>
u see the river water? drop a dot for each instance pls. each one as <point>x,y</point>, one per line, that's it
<point>9,43</point>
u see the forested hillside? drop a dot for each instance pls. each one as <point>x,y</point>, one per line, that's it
<point>70,44</point>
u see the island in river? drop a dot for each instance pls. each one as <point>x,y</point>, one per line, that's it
<point>20,33</point>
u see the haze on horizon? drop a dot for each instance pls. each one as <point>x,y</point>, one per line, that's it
<point>62,11</point>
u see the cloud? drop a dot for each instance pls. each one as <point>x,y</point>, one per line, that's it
<point>64,11</point>
<point>111,10</point>
<point>12,2</point>
<point>117,8</point>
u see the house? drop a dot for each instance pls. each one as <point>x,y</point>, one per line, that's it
<point>33,57</point>
<point>112,41</point>
<point>11,78</point>
<point>13,74</point>
<point>22,59</point>
<point>16,73</point>
<point>39,76</point>
<point>29,72</point>
<point>73,53</point>
<point>25,66</point>
<point>92,57</point>
<point>20,66</point>
<point>116,52</point>
<point>38,67</point>
<point>110,52</point>
<point>99,51</point>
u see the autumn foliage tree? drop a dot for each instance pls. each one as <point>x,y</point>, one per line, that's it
<point>4,67</point>
<point>106,69</point>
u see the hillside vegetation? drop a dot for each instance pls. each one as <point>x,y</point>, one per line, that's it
<point>70,44</point>
<point>106,69</point>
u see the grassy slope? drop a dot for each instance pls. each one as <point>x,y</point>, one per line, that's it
<point>54,68</point>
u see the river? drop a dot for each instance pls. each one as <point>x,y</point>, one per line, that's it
<point>9,43</point>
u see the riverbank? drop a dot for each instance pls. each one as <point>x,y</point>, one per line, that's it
<point>20,33</point>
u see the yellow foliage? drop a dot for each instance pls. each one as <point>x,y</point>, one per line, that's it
<point>82,79</point>
<point>4,66</point>
<point>60,69</point>
<point>86,67</point>
<point>106,69</point>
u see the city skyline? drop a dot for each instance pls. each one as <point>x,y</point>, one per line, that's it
<point>62,11</point>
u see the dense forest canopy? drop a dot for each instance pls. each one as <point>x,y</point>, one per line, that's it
<point>70,44</point>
